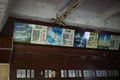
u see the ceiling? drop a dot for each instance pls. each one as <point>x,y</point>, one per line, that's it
<point>3,12</point>
<point>102,14</point>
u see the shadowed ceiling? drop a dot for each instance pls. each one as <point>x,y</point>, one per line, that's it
<point>103,14</point>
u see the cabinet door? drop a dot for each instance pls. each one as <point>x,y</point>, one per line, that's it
<point>5,56</point>
<point>5,42</point>
<point>5,48</point>
<point>4,71</point>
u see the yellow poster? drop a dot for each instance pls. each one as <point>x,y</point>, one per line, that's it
<point>68,37</point>
<point>38,35</point>
<point>114,42</point>
<point>92,41</point>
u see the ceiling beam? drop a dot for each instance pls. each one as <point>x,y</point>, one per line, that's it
<point>68,10</point>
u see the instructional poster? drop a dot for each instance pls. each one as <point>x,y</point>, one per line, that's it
<point>81,39</point>
<point>68,37</point>
<point>114,42</point>
<point>38,35</point>
<point>54,36</point>
<point>92,41</point>
<point>104,41</point>
<point>22,32</point>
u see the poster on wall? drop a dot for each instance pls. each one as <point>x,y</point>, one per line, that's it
<point>22,32</point>
<point>92,41</point>
<point>114,42</point>
<point>54,36</point>
<point>68,37</point>
<point>38,35</point>
<point>81,39</point>
<point>104,41</point>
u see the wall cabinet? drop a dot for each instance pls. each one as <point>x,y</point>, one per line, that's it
<point>32,61</point>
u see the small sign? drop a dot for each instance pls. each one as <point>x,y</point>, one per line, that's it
<point>28,73</point>
<point>116,73</point>
<point>76,73</point>
<point>63,73</point>
<point>21,73</point>
<point>110,73</point>
<point>80,73</point>
<point>71,73</point>
<point>32,73</point>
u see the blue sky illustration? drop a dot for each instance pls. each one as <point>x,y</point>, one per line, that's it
<point>102,37</point>
<point>54,35</point>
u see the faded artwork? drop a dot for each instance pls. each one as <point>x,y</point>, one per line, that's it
<point>22,32</point>
<point>54,36</point>
<point>104,41</point>
<point>81,39</point>
<point>68,37</point>
<point>114,42</point>
<point>38,35</point>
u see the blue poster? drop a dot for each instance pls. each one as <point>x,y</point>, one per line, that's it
<point>104,41</point>
<point>22,32</point>
<point>81,38</point>
<point>54,36</point>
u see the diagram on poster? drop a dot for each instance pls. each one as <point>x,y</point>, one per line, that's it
<point>92,41</point>
<point>38,35</point>
<point>114,42</point>
<point>68,37</point>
